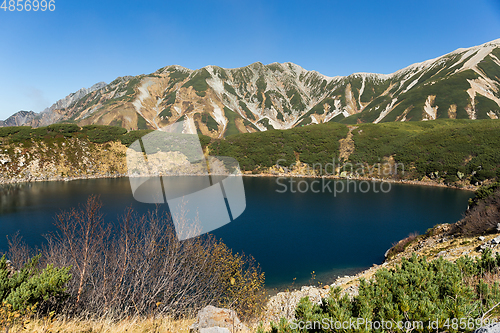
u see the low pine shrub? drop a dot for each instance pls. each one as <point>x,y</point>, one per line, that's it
<point>102,133</point>
<point>28,287</point>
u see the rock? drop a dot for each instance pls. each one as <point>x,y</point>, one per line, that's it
<point>217,319</point>
<point>492,328</point>
<point>496,240</point>
<point>481,238</point>
<point>215,329</point>
<point>10,268</point>
<point>283,304</point>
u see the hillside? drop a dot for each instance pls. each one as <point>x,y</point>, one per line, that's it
<point>452,152</point>
<point>460,153</point>
<point>218,102</point>
<point>62,152</point>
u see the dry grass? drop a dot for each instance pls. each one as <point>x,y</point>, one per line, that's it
<point>402,245</point>
<point>131,325</point>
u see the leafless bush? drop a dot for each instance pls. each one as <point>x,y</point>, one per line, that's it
<point>19,252</point>
<point>138,267</point>
<point>483,217</point>
<point>402,245</point>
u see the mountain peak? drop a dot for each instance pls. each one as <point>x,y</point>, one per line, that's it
<point>215,101</point>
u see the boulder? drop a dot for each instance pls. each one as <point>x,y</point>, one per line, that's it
<point>217,320</point>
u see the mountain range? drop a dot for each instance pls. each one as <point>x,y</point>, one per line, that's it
<point>214,101</point>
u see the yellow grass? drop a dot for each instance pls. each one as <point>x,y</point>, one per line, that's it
<point>132,325</point>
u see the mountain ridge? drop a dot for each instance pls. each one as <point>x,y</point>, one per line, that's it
<point>215,101</point>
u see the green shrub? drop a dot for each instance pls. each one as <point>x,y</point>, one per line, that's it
<point>22,135</point>
<point>443,146</point>
<point>315,144</point>
<point>63,128</point>
<point>485,191</point>
<point>29,286</point>
<point>129,138</point>
<point>198,81</point>
<point>6,131</point>
<point>102,133</point>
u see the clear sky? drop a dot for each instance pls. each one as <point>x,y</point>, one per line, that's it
<point>44,56</point>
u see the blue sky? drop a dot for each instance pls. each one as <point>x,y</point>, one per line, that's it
<point>44,56</point>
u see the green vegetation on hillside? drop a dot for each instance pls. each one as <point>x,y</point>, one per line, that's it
<point>231,116</point>
<point>208,120</point>
<point>312,144</point>
<point>450,149</point>
<point>198,81</point>
<point>230,89</point>
<point>93,133</point>
<point>102,133</point>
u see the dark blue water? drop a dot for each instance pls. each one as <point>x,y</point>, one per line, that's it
<point>289,234</point>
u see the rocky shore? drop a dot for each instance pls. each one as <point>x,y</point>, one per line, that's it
<point>62,160</point>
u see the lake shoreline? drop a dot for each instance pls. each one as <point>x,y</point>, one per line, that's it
<point>472,188</point>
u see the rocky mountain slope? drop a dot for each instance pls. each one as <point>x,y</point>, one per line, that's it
<point>18,119</point>
<point>464,84</point>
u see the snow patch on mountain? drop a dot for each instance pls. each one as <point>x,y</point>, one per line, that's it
<point>143,94</point>
<point>492,115</point>
<point>386,111</point>
<point>483,87</point>
<point>477,58</point>
<point>218,115</point>
<point>215,81</point>
<point>189,127</point>
<point>430,109</point>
